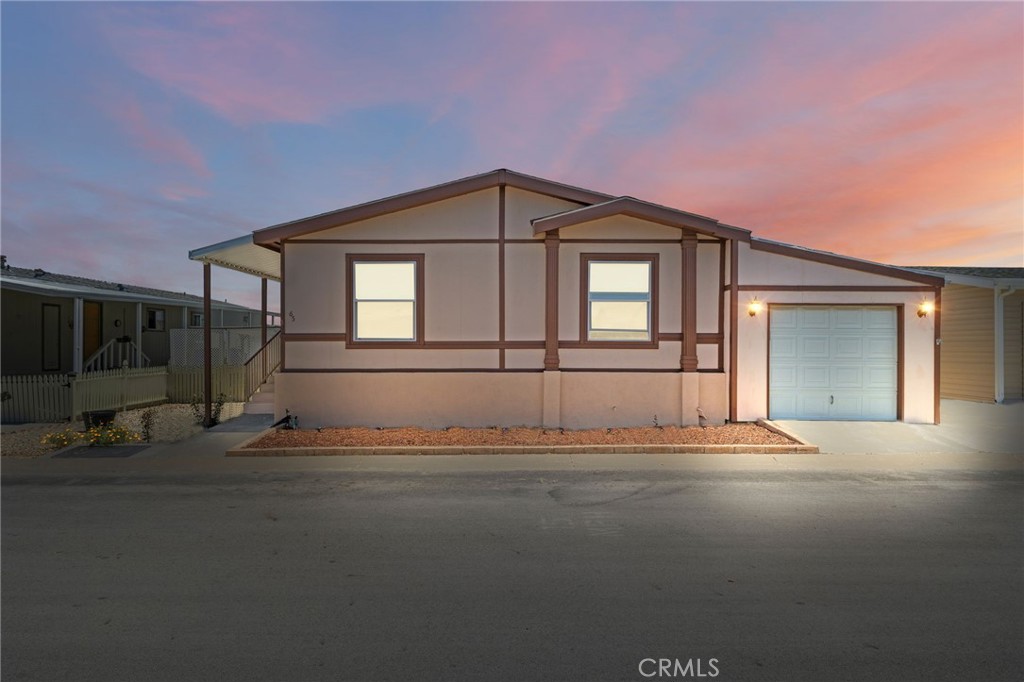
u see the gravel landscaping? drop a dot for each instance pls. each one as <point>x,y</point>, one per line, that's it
<point>730,434</point>
<point>171,423</point>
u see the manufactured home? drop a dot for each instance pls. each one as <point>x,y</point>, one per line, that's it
<point>507,299</point>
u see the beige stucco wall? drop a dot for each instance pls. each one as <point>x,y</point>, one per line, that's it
<point>524,292</point>
<point>21,315</point>
<point>334,355</point>
<point>461,288</point>
<point>752,359</point>
<point>521,207</point>
<point>470,216</point>
<point>621,227</point>
<point>432,400</point>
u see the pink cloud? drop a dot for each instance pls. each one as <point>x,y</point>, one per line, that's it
<point>150,132</point>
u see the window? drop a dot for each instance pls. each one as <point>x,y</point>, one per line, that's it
<point>196,320</point>
<point>155,319</point>
<point>620,304</point>
<point>385,299</point>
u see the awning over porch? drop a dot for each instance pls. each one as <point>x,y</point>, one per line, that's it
<point>243,255</point>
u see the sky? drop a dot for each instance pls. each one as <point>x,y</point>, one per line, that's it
<point>134,132</point>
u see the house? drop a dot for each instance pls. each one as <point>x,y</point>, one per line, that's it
<point>507,299</point>
<point>982,333</point>
<point>55,323</point>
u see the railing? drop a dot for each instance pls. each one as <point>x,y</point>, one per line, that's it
<point>118,389</point>
<point>37,398</point>
<point>262,364</point>
<point>113,354</point>
<point>59,397</point>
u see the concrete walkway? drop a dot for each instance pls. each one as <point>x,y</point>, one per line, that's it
<point>966,427</point>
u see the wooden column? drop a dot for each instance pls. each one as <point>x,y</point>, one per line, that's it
<point>138,334</point>
<point>77,337</point>
<point>938,352</point>
<point>551,301</point>
<point>688,355</point>
<point>734,322</point>
<point>263,320</point>
<point>207,350</point>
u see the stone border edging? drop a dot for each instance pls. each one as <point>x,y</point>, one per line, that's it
<point>242,449</point>
<point>775,428</point>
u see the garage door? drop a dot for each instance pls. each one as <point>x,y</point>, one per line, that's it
<point>832,363</point>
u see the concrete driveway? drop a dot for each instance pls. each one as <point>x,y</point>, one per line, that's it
<point>966,428</point>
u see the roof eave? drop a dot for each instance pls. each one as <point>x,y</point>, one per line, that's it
<point>828,258</point>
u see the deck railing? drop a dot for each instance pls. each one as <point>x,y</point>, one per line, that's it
<point>262,364</point>
<point>113,354</point>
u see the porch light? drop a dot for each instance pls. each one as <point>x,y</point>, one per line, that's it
<point>754,307</point>
<point>924,308</point>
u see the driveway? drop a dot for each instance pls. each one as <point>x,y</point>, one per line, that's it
<point>965,427</point>
<point>502,568</point>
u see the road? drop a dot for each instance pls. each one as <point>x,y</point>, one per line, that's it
<point>511,574</point>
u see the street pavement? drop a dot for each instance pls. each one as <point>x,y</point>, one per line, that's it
<point>513,568</point>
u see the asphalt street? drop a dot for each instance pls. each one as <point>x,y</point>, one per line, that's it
<point>447,574</point>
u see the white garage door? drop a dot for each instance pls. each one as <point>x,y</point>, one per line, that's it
<point>832,363</point>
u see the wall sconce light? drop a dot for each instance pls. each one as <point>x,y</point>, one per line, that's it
<point>924,308</point>
<point>754,307</point>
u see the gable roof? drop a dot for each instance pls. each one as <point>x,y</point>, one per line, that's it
<point>420,197</point>
<point>38,281</point>
<point>643,210</point>
<point>848,262</point>
<point>989,273</point>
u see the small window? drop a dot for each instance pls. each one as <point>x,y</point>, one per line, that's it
<point>195,320</point>
<point>386,299</point>
<point>621,298</point>
<point>155,319</point>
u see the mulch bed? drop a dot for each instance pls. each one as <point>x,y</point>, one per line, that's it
<point>729,434</point>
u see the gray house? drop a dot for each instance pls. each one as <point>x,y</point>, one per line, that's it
<point>53,323</point>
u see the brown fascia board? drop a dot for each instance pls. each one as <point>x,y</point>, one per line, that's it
<point>835,259</point>
<point>400,202</point>
<point>643,210</point>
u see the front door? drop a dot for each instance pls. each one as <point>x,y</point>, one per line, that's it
<point>92,328</point>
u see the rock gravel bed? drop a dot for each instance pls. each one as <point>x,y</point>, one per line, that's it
<point>729,434</point>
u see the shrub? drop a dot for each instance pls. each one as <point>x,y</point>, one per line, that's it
<point>111,435</point>
<point>62,439</point>
<point>148,418</point>
<point>198,408</point>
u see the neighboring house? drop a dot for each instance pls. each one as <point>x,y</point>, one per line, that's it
<point>982,333</point>
<point>505,299</point>
<point>55,323</point>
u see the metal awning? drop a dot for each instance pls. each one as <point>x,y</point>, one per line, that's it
<point>243,255</point>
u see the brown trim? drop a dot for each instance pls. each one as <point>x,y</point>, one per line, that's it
<point>421,197</point>
<point>703,338</point>
<point>843,262</point>
<point>900,360</point>
<point>448,345</point>
<point>207,348</point>
<point>585,259</point>
<point>900,394</point>
<point>551,301</point>
<point>411,370</point>
<point>539,241</point>
<point>620,241</point>
<point>938,353</point>
<point>634,208</point>
<point>721,306</point>
<point>341,337</point>
<point>393,241</point>
<point>688,353</point>
<point>284,312</point>
<point>350,260</point>
<point>854,288</point>
<point>501,272</point>
<point>734,306</point>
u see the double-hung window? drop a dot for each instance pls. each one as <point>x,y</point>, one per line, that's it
<point>621,298</point>
<point>385,299</point>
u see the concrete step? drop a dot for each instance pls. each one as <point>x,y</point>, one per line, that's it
<point>258,408</point>
<point>262,397</point>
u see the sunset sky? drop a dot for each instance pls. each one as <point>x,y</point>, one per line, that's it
<point>133,132</point>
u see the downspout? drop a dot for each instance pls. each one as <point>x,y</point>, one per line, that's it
<point>1000,332</point>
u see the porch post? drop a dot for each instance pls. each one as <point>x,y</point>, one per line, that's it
<point>77,360</point>
<point>138,334</point>
<point>688,354</point>
<point>551,301</point>
<point>263,320</point>
<point>207,350</point>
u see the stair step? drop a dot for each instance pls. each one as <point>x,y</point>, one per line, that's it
<point>258,408</point>
<point>262,398</point>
